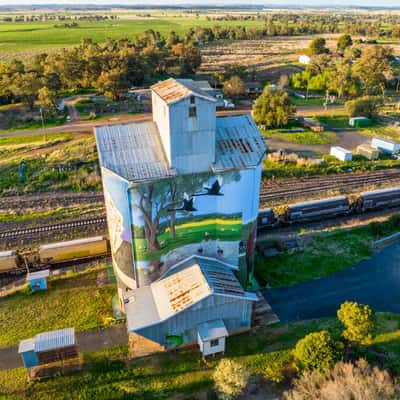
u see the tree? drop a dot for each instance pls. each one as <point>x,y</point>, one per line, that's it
<point>344,42</point>
<point>189,56</point>
<point>273,109</point>
<point>315,351</point>
<point>230,378</point>
<point>234,87</point>
<point>317,46</point>
<point>113,83</point>
<point>25,87</point>
<point>48,99</point>
<point>373,68</point>
<point>346,381</point>
<point>366,106</point>
<point>358,322</point>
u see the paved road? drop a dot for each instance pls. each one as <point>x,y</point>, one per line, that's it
<point>88,341</point>
<point>375,282</point>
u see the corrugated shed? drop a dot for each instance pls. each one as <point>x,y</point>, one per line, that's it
<point>133,151</point>
<point>239,144</point>
<point>7,253</point>
<point>212,330</point>
<point>54,339</point>
<point>192,282</point>
<point>174,90</point>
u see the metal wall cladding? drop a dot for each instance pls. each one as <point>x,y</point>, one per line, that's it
<point>236,316</point>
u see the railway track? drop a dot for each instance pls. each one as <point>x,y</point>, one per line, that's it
<point>59,227</point>
<point>271,193</point>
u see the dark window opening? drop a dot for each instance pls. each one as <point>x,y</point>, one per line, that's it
<point>214,342</point>
<point>192,111</point>
<point>192,100</point>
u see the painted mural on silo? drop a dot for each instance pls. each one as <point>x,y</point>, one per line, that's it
<point>207,214</point>
<point>119,228</point>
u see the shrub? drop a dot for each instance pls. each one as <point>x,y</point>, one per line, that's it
<point>315,351</point>
<point>366,106</point>
<point>274,369</point>
<point>230,378</point>
<point>358,322</point>
<point>357,381</point>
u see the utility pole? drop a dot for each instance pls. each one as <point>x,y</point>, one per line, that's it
<point>41,116</point>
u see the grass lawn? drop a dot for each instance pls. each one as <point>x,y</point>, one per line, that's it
<point>323,255</point>
<point>70,301</point>
<point>338,121</point>
<point>109,375</point>
<point>41,154</point>
<point>389,132</point>
<point>299,101</point>
<point>309,137</point>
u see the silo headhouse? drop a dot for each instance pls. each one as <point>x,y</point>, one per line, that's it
<point>182,197</point>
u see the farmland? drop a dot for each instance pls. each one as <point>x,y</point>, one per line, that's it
<point>43,36</point>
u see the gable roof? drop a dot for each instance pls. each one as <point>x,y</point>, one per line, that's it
<point>174,90</point>
<point>193,281</point>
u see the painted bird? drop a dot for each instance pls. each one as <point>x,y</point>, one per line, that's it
<point>213,190</point>
<point>187,204</point>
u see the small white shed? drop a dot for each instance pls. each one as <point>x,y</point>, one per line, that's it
<point>211,337</point>
<point>385,145</point>
<point>341,154</point>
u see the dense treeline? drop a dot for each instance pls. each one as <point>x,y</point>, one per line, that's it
<point>54,17</point>
<point>111,68</point>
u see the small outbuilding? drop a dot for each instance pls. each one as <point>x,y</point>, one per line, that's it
<point>341,154</point>
<point>38,280</point>
<point>48,347</point>
<point>368,152</point>
<point>385,145</point>
<point>211,337</point>
<point>360,122</point>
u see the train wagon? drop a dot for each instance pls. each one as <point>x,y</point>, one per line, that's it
<point>8,261</point>
<point>266,219</point>
<point>378,199</point>
<point>316,210</point>
<point>73,250</point>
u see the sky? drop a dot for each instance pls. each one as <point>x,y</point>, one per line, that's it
<point>275,3</point>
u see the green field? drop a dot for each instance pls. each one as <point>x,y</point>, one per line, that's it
<point>31,37</point>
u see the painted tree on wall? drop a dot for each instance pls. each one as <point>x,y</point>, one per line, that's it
<point>158,200</point>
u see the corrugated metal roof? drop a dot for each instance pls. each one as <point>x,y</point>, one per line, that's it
<point>212,330</point>
<point>239,144</point>
<point>182,287</point>
<point>26,345</point>
<point>133,151</point>
<point>72,242</point>
<point>54,339</point>
<point>174,90</point>
<point>180,290</point>
<point>45,273</point>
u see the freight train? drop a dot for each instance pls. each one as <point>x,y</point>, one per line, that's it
<point>329,208</point>
<point>54,253</point>
<point>84,249</point>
